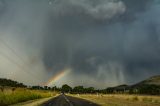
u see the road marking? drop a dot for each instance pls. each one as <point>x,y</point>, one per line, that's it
<point>50,104</point>
<point>70,104</point>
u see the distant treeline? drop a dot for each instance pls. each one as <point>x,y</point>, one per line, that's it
<point>134,89</point>
<point>122,89</point>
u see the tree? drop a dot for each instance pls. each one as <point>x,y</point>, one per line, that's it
<point>78,89</point>
<point>37,88</point>
<point>45,87</point>
<point>149,89</point>
<point>66,88</point>
<point>90,90</point>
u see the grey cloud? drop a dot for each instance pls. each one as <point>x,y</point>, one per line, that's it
<point>118,40</point>
<point>99,40</point>
<point>101,10</point>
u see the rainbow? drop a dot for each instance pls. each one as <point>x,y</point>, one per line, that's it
<point>57,77</point>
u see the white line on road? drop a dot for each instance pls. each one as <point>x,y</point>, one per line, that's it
<point>70,104</point>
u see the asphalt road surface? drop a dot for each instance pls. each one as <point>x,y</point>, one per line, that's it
<point>64,100</point>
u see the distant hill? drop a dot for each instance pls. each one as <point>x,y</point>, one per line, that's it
<point>148,86</point>
<point>155,80</point>
<point>10,83</point>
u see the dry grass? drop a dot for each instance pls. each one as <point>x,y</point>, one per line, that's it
<point>9,96</point>
<point>122,100</point>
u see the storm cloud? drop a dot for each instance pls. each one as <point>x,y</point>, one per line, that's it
<point>104,42</point>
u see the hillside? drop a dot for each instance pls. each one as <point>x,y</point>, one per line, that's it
<point>149,86</point>
<point>155,80</point>
<point>10,83</point>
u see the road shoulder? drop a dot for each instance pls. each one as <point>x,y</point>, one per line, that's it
<point>37,102</point>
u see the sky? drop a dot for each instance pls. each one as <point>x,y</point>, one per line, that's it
<point>97,43</point>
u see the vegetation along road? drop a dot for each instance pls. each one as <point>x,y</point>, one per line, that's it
<point>64,100</point>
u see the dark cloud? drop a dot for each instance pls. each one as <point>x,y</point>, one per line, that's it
<point>104,40</point>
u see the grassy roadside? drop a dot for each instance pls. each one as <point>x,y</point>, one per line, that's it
<point>37,102</point>
<point>121,100</point>
<point>9,96</point>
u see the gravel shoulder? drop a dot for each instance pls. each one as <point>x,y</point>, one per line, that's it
<point>37,102</point>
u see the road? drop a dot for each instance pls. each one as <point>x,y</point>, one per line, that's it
<point>64,100</point>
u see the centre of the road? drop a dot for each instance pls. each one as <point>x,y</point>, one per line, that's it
<point>70,104</point>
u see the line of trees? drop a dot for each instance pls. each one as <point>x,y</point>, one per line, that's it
<point>146,89</point>
<point>142,89</point>
<point>55,88</point>
<point>77,89</point>
<point>135,89</point>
